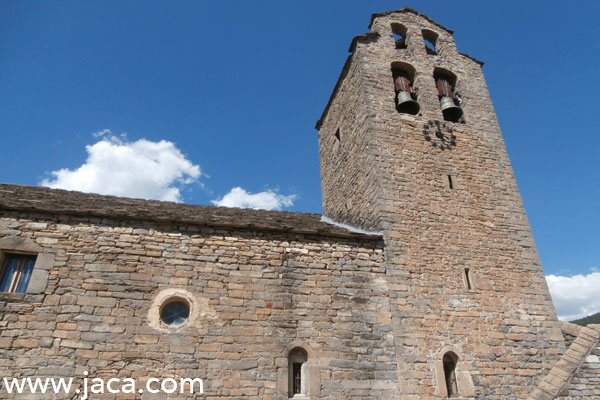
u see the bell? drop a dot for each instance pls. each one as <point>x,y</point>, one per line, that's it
<point>406,104</point>
<point>451,111</point>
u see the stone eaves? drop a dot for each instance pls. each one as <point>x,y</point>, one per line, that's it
<point>63,202</point>
<point>408,10</point>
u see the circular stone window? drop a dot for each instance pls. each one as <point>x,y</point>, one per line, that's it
<point>175,312</point>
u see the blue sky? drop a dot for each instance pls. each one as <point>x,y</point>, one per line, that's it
<point>235,89</point>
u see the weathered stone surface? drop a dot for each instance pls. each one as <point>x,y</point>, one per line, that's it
<point>584,382</point>
<point>374,313</point>
<point>388,171</point>
<point>254,292</point>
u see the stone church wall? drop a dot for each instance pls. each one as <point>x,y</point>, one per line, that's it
<point>252,294</point>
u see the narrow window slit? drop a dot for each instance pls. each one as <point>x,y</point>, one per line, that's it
<point>449,361</point>
<point>297,380</point>
<point>337,141</point>
<point>298,373</point>
<point>450,182</point>
<point>468,278</point>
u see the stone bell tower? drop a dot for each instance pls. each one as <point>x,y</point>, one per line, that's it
<point>410,146</point>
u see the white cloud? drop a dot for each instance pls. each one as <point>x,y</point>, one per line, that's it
<point>101,132</point>
<point>142,169</point>
<point>575,296</point>
<point>267,200</point>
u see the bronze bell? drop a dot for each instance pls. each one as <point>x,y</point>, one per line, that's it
<point>451,111</point>
<point>406,104</point>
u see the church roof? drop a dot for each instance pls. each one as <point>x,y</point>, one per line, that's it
<point>56,201</point>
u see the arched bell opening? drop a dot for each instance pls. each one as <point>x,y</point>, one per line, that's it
<point>400,35</point>
<point>430,38</point>
<point>406,96</point>
<point>449,100</point>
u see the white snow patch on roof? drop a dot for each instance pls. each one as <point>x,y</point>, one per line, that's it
<point>349,227</point>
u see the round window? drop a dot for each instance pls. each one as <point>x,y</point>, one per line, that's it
<point>175,312</point>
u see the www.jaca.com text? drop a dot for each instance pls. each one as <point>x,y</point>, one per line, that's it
<point>91,386</point>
